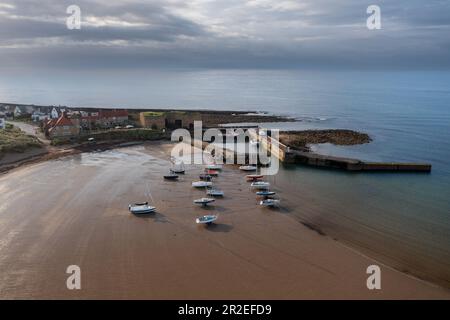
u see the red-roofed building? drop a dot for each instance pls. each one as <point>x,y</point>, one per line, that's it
<point>62,127</point>
<point>105,119</point>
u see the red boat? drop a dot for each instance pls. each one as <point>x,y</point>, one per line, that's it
<point>254,177</point>
<point>212,172</point>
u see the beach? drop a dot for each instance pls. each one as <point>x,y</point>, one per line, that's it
<point>74,211</point>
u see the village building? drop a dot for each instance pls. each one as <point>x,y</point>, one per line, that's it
<point>40,116</point>
<point>63,127</point>
<point>169,119</point>
<point>103,119</point>
<point>2,121</point>
<point>21,111</point>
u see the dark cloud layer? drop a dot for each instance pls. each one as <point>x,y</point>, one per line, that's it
<point>225,34</point>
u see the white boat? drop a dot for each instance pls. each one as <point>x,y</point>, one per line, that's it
<point>270,202</point>
<point>201,184</point>
<point>204,201</point>
<point>206,219</point>
<point>248,168</point>
<point>214,167</point>
<point>178,168</point>
<point>141,208</point>
<point>260,185</point>
<point>265,193</point>
<point>215,192</point>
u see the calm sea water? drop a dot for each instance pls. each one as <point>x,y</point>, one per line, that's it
<point>402,219</point>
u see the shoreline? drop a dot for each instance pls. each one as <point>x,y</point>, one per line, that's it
<point>161,149</point>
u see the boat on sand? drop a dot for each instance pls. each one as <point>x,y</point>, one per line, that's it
<point>270,202</point>
<point>248,168</point>
<point>201,184</point>
<point>141,208</point>
<point>260,185</point>
<point>204,201</point>
<point>208,219</point>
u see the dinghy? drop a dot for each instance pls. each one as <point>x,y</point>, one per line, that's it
<point>213,167</point>
<point>204,201</point>
<point>179,168</point>
<point>205,177</point>
<point>260,185</point>
<point>254,177</point>
<point>270,202</point>
<point>265,193</point>
<point>213,173</point>
<point>248,168</point>
<point>171,176</point>
<point>206,219</point>
<point>141,208</point>
<point>214,192</point>
<point>201,184</point>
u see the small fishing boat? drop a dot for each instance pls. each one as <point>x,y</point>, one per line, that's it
<point>213,173</point>
<point>270,202</point>
<point>171,176</point>
<point>208,219</point>
<point>178,168</point>
<point>205,177</point>
<point>254,177</point>
<point>201,184</point>
<point>260,185</point>
<point>214,167</point>
<point>265,193</point>
<point>214,192</point>
<point>204,201</point>
<point>248,168</point>
<point>141,208</point>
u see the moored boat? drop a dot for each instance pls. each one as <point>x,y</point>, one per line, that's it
<point>141,208</point>
<point>208,219</point>
<point>201,184</point>
<point>171,176</point>
<point>260,185</point>
<point>213,173</point>
<point>204,201</point>
<point>248,168</point>
<point>254,177</point>
<point>205,177</point>
<point>265,193</point>
<point>213,167</point>
<point>214,192</point>
<point>269,202</point>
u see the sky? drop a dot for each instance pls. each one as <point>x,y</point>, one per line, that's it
<point>128,34</point>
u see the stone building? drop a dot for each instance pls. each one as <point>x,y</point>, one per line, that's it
<point>169,119</point>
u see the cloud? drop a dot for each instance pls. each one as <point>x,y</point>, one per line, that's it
<point>225,34</point>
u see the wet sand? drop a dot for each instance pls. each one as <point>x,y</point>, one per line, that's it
<point>74,211</point>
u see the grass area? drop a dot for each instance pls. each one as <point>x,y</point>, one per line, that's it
<point>153,114</point>
<point>116,135</point>
<point>13,139</point>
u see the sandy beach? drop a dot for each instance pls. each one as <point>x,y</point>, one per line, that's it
<point>73,211</point>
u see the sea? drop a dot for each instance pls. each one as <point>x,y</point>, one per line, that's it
<point>400,219</point>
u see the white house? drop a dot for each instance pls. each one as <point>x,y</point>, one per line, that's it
<point>23,110</point>
<point>54,114</point>
<point>39,116</point>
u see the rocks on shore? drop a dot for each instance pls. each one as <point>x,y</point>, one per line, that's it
<point>301,139</point>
